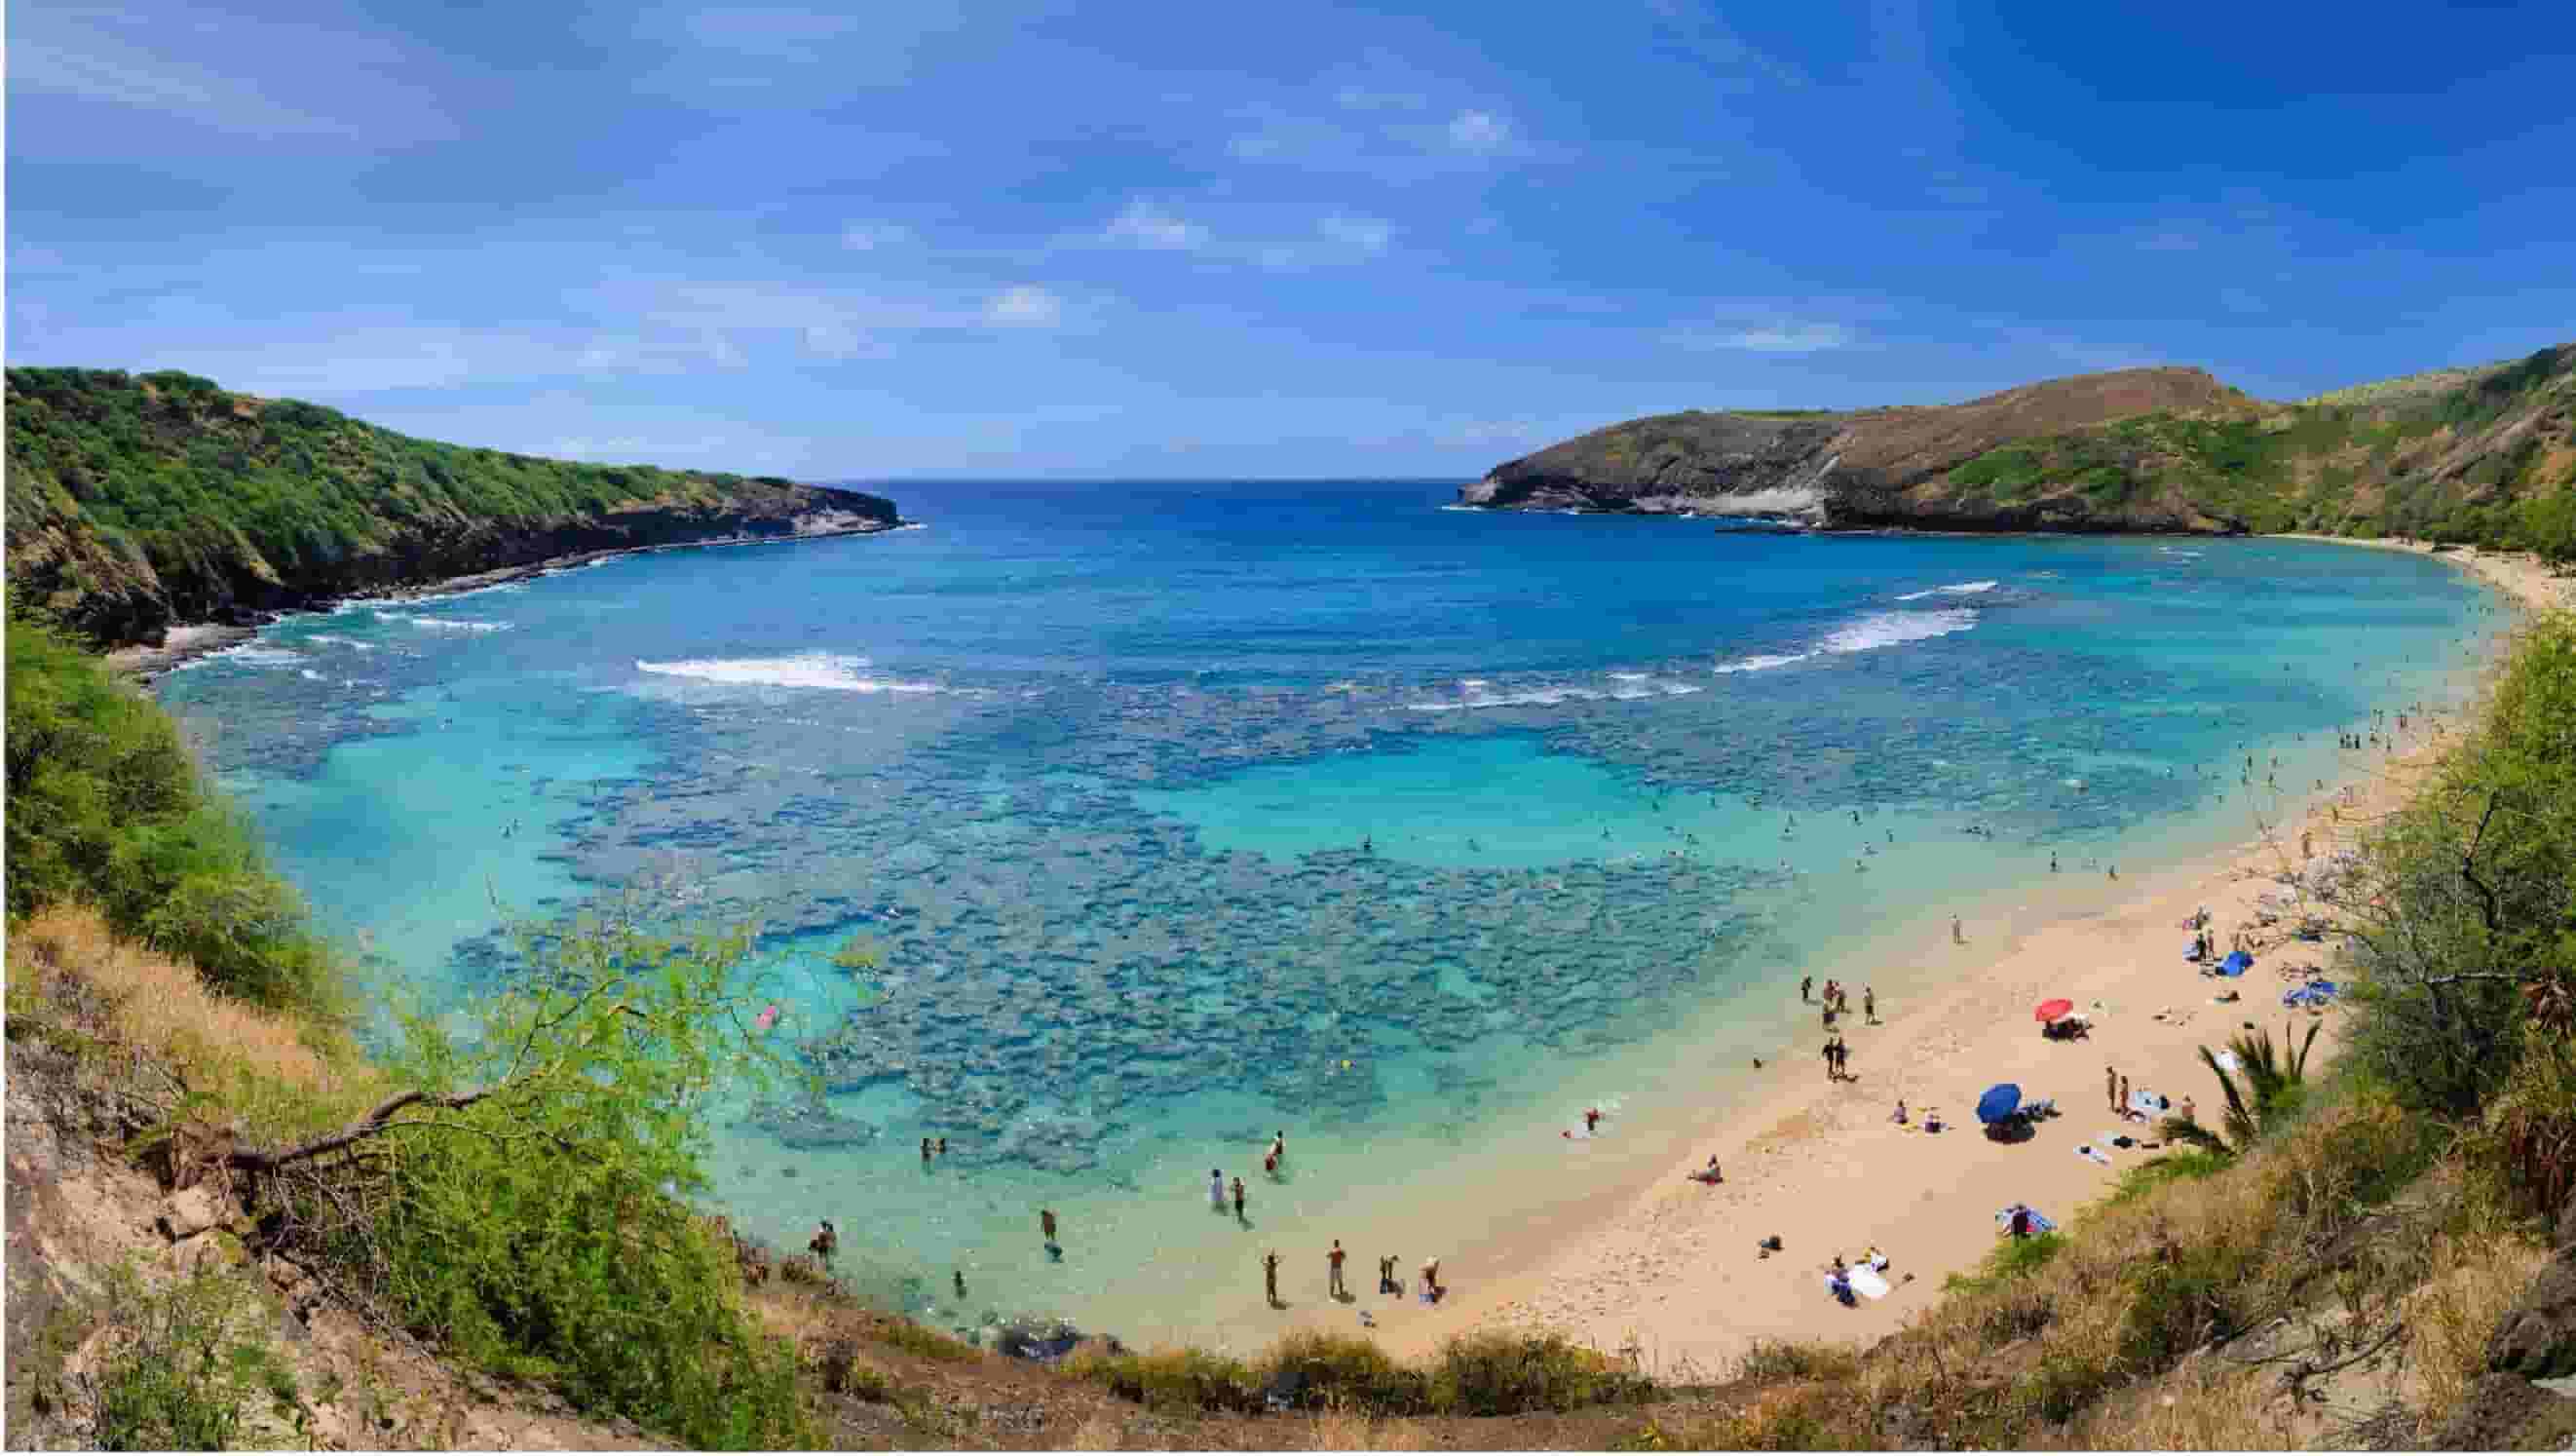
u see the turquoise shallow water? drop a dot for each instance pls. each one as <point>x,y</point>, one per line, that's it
<point>1186,814</point>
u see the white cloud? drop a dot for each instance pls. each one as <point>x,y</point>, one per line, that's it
<point>227,73</point>
<point>1480,132</point>
<point>1782,337</point>
<point>1148,225</point>
<point>1366,234</point>
<point>862,237</point>
<point>1025,306</point>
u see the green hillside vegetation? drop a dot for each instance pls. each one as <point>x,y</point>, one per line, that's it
<point>2484,457</point>
<point>138,499</point>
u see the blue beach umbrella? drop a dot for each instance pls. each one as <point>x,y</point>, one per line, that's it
<point>2001,1101</point>
<point>2236,964</point>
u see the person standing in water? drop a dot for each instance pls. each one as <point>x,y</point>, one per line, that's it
<point>1216,1190</point>
<point>1238,1199</point>
<point>1806,988</point>
<point>1279,1145</point>
<point>1046,1224</point>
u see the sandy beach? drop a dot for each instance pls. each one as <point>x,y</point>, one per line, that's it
<point>1673,1273</point>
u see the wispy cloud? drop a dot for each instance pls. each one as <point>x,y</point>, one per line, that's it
<point>1778,337</point>
<point>1147,224</point>
<point>1481,132</point>
<point>862,237</point>
<point>239,75</point>
<point>1025,305</point>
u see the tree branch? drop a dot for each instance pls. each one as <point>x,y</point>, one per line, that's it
<point>264,1160</point>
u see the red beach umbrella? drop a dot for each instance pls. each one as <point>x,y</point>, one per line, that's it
<point>2052,1010</point>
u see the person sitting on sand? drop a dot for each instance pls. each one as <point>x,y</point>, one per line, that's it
<point>1710,1174</point>
<point>1899,1118</point>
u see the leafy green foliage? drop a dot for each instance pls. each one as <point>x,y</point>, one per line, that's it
<point>2468,896</point>
<point>2368,462</point>
<point>187,1362</point>
<point>2275,1088</point>
<point>541,1230</point>
<point>107,806</point>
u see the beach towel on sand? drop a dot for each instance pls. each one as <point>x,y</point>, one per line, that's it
<point>2087,1150</point>
<point>1868,1281</point>
<point>2039,1222</point>
<point>2148,1104</point>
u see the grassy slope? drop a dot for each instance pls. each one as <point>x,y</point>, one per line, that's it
<point>2485,456</point>
<point>127,490</point>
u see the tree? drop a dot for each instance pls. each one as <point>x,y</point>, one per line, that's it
<point>2275,1085</point>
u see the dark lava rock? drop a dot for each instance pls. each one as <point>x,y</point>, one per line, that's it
<point>2537,1338</point>
<point>2508,1413</point>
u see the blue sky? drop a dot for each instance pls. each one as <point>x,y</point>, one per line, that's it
<point>1142,239</point>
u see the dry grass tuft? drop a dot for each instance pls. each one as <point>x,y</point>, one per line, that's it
<point>1349,1430</point>
<point>162,1006</point>
<point>1103,1432</point>
<point>2474,1279</point>
<point>2205,1408</point>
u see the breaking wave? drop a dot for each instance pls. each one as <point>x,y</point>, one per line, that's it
<point>821,670</point>
<point>1956,589</point>
<point>1878,629</point>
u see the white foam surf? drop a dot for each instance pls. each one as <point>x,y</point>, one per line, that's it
<point>1955,589</point>
<point>1891,629</point>
<point>1875,630</point>
<point>446,624</point>
<point>248,654</point>
<point>825,671</point>
<point>1626,687</point>
<point>1763,662</point>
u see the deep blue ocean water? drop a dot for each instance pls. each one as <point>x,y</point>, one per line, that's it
<point>1181,814</point>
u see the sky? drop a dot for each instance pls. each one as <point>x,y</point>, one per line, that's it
<point>908,238</point>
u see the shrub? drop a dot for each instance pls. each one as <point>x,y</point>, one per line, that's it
<point>533,1221</point>
<point>1501,1373</point>
<point>106,806</point>
<point>185,1365</point>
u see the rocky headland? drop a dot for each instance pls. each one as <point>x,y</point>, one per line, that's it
<point>137,503</point>
<point>2454,454</point>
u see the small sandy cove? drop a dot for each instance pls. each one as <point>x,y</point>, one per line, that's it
<point>1674,1273</point>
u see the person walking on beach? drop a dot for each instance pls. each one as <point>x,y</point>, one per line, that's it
<point>1831,1075</point>
<point>2124,1094</point>
<point>1216,1190</point>
<point>1386,1275</point>
<point>1957,936</point>
<point>1238,1200</point>
<point>1270,1277</point>
<point>1869,1004</point>
<point>1334,1260</point>
<point>2111,1087</point>
<point>1842,1058</point>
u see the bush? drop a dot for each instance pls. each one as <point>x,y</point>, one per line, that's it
<point>187,1363</point>
<point>1499,1373</point>
<point>105,805</point>
<point>534,1220</point>
<point>2464,898</point>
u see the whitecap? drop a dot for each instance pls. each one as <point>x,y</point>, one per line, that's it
<point>249,654</point>
<point>447,624</point>
<point>822,670</point>
<point>1763,662</point>
<point>1891,629</point>
<point>350,642</point>
<point>1955,589</point>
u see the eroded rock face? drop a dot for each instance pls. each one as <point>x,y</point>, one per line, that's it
<point>2537,1338</point>
<point>2508,1413</point>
